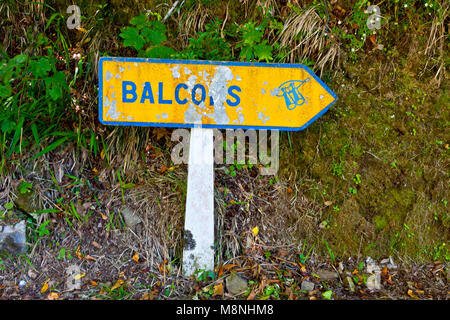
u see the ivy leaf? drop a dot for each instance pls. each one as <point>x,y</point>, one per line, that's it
<point>20,59</point>
<point>247,53</point>
<point>155,37</point>
<point>159,52</point>
<point>158,26</point>
<point>7,126</point>
<point>40,68</point>
<point>5,91</point>
<point>42,39</point>
<point>9,205</point>
<point>139,21</point>
<point>55,85</point>
<point>263,51</point>
<point>251,34</point>
<point>132,38</point>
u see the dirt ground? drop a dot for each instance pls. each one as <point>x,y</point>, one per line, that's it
<point>114,261</point>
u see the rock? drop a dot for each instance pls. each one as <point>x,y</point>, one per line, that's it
<point>341,267</point>
<point>32,274</point>
<point>236,285</point>
<point>307,286</point>
<point>350,284</point>
<point>26,202</point>
<point>131,219</point>
<point>327,275</point>
<point>13,238</point>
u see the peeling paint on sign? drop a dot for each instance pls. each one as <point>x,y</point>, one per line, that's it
<point>185,93</point>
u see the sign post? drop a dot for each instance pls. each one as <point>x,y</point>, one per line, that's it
<point>203,95</point>
<point>198,253</point>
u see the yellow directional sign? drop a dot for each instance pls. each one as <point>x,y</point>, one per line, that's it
<point>188,93</point>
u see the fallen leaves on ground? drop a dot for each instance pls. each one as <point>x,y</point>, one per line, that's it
<point>411,294</point>
<point>117,284</point>
<point>218,289</point>
<point>225,268</point>
<point>45,286</point>
<point>136,257</point>
<point>53,296</point>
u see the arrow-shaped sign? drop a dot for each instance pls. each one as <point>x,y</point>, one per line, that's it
<point>226,95</point>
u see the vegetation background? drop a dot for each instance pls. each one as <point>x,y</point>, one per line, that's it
<point>369,178</point>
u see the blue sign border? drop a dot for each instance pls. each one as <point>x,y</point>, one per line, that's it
<point>215,63</point>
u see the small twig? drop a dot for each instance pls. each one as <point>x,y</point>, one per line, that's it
<point>374,155</point>
<point>224,21</point>
<point>171,10</point>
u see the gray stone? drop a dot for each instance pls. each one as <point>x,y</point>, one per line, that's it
<point>13,238</point>
<point>32,274</point>
<point>131,219</point>
<point>236,285</point>
<point>327,275</point>
<point>307,286</point>
<point>350,284</point>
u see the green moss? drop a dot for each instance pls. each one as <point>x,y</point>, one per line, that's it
<point>396,156</point>
<point>380,222</point>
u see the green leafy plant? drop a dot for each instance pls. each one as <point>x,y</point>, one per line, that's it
<point>361,266</point>
<point>25,187</point>
<point>124,186</point>
<point>272,292</point>
<point>146,37</point>
<point>330,252</point>
<point>440,251</point>
<point>204,275</point>
<point>231,171</point>
<point>9,205</point>
<point>209,45</point>
<point>63,254</point>
<point>327,294</point>
<point>33,93</point>
<point>252,46</point>
<point>42,229</point>
<point>115,293</point>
